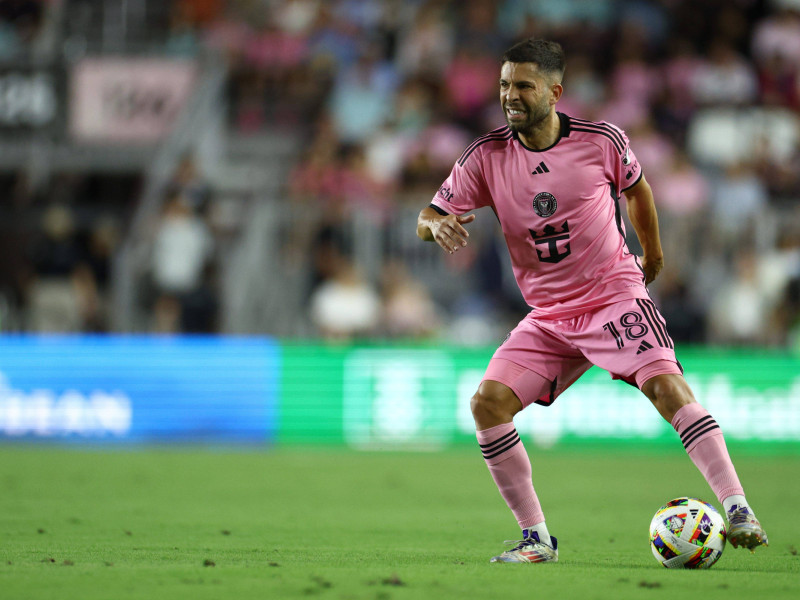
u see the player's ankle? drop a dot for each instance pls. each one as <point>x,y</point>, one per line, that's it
<point>734,502</point>
<point>540,529</point>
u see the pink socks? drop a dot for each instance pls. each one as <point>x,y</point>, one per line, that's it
<point>702,438</point>
<point>511,470</point>
<point>510,466</point>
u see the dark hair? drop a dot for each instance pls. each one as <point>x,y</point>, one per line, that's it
<point>549,56</point>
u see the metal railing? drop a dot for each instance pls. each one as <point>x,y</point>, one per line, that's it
<point>270,279</point>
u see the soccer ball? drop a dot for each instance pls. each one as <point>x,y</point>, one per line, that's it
<point>687,533</point>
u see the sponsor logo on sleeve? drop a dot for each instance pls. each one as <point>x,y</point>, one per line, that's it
<point>445,193</point>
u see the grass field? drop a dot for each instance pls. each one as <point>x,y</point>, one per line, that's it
<point>316,523</point>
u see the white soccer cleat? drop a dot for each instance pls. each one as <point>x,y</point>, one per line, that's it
<point>529,550</point>
<point>744,530</point>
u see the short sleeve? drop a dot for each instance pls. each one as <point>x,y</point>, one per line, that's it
<point>464,190</point>
<point>621,163</point>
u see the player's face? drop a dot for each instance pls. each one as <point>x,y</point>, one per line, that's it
<point>527,96</point>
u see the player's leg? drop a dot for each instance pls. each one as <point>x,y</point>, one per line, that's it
<point>705,444</point>
<point>509,386</point>
<point>630,340</point>
<point>493,408</point>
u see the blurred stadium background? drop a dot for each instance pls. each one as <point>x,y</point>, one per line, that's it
<point>212,204</point>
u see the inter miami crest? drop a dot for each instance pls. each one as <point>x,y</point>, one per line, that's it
<point>544,204</point>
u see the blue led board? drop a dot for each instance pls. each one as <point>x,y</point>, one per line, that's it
<point>138,388</point>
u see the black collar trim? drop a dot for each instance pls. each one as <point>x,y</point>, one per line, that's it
<point>563,132</point>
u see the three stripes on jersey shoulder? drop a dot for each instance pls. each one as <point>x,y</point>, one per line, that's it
<point>499,134</point>
<point>607,130</point>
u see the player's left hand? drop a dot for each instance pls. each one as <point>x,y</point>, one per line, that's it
<point>652,267</point>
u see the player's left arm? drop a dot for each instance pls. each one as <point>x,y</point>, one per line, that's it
<point>643,216</point>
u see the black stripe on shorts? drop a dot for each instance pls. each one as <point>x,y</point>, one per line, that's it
<point>651,316</point>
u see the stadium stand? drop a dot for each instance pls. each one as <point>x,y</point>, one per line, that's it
<point>315,131</point>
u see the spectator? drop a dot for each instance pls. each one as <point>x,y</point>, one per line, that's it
<point>188,183</point>
<point>345,306</point>
<point>584,88</point>
<point>469,83</point>
<point>779,83</point>
<point>786,319</point>
<point>358,189</point>
<point>682,189</point>
<point>182,39</point>
<point>92,275</point>
<point>686,319</point>
<point>315,178</point>
<point>334,38</point>
<point>426,46</point>
<point>408,309</point>
<point>680,71</point>
<point>52,296</point>
<point>778,266</point>
<point>652,146</point>
<point>182,251</point>
<point>778,35</point>
<point>739,196</point>
<point>479,30</point>
<point>361,100</point>
<point>726,78</point>
<point>739,311</point>
<point>20,23</point>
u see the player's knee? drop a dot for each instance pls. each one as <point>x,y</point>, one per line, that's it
<point>494,404</point>
<point>488,410</point>
<point>668,393</point>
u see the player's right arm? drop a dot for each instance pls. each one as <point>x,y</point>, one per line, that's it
<point>446,230</point>
<point>443,220</point>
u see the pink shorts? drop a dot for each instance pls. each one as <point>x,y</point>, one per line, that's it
<point>628,339</point>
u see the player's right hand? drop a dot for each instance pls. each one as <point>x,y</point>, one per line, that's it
<point>448,231</point>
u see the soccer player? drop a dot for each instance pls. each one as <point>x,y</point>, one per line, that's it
<point>555,183</point>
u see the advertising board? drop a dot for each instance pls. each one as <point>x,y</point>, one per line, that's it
<point>406,398</point>
<point>138,389</point>
<point>135,100</point>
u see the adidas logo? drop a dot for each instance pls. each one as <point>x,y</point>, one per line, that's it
<point>644,347</point>
<point>542,168</point>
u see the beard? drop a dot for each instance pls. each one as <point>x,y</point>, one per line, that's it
<point>534,118</point>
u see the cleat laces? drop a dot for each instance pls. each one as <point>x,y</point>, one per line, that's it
<point>530,549</point>
<point>518,544</point>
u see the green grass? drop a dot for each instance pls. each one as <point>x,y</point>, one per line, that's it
<point>336,524</point>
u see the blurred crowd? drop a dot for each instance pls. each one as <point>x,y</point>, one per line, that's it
<point>20,25</point>
<point>386,94</point>
<point>57,244</point>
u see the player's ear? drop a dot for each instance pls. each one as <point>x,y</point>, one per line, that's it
<point>556,89</point>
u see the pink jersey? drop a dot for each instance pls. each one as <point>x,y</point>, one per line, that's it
<point>560,212</point>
